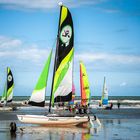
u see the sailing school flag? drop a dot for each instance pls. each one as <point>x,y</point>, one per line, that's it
<point>62,86</point>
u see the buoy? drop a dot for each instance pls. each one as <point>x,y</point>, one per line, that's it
<point>13,127</point>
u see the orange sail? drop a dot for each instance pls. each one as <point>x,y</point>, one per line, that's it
<point>84,85</point>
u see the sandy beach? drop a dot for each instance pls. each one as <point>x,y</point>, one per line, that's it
<point>116,124</point>
<point>122,124</point>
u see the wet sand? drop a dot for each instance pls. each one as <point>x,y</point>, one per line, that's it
<point>123,124</point>
<point>111,129</point>
<point>123,113</point>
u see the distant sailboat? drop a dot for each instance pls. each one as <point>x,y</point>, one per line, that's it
<point>104,98</point>
<point>84,84</point>
<point>7,95</point>
<point>62,80</point>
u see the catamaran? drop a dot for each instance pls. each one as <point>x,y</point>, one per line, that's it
<point>62,80</point>
<point>7,95</point>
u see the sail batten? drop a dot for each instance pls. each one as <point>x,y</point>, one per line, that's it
<point>38,95</point>
<point>63,71</point>
<point>84,85</point>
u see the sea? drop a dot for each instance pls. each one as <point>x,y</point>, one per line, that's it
<point>116,124</point>
<point>125,101</point>
<point>20,98</point>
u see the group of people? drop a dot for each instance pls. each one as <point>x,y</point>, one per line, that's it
<point>111,105</point>
<point>79,109</point>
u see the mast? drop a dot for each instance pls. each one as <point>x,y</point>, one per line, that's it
<point>81,82</point>
<point>104,85</point>
<point>6,85</point>
<point>57,44</point>
<point>102,92</point>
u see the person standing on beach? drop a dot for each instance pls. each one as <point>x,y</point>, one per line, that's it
<point>118,104</point>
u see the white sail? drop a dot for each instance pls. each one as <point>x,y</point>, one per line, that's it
<point>104,99</point>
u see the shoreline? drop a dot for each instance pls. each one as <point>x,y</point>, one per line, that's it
<point>93,103</point>
<point>101,114</point>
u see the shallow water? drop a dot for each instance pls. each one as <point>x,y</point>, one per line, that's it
<point>111,129</point>
<point>122,124</point>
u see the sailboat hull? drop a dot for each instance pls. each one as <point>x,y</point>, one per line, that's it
<point>52,120</point>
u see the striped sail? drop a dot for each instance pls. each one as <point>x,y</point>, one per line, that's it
<point>9,86</point>
<point>84,85</point>
<point>62,80</point>
<point>104,99</point>
<point>38,95</point>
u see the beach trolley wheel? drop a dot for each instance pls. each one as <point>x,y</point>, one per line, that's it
<point>13,127</point>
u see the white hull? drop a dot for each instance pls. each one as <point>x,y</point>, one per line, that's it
<point>52,120</point>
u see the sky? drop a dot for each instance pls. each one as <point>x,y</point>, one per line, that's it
<point>107,40</point>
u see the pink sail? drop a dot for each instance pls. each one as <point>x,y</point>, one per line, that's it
<point>73,95</point>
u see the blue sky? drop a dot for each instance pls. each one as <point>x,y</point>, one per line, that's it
<point>106,39</point>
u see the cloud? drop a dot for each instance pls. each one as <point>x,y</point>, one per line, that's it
<point>16,49</point>
<point>123,84</point>
<point>44,4</point>
<point>109,10</point>
<point>7,42</point>
<point>88,43</point>
<point>122,30</point>
<point>30,54</point>
<point>108,58</point>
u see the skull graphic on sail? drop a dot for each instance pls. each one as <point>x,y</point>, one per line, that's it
<point>66,34</point>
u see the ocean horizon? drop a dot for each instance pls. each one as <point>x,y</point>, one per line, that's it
<point>20,98</point>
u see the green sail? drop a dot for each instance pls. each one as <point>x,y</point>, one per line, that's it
<point>3,98</point>
<point>38,95</point>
